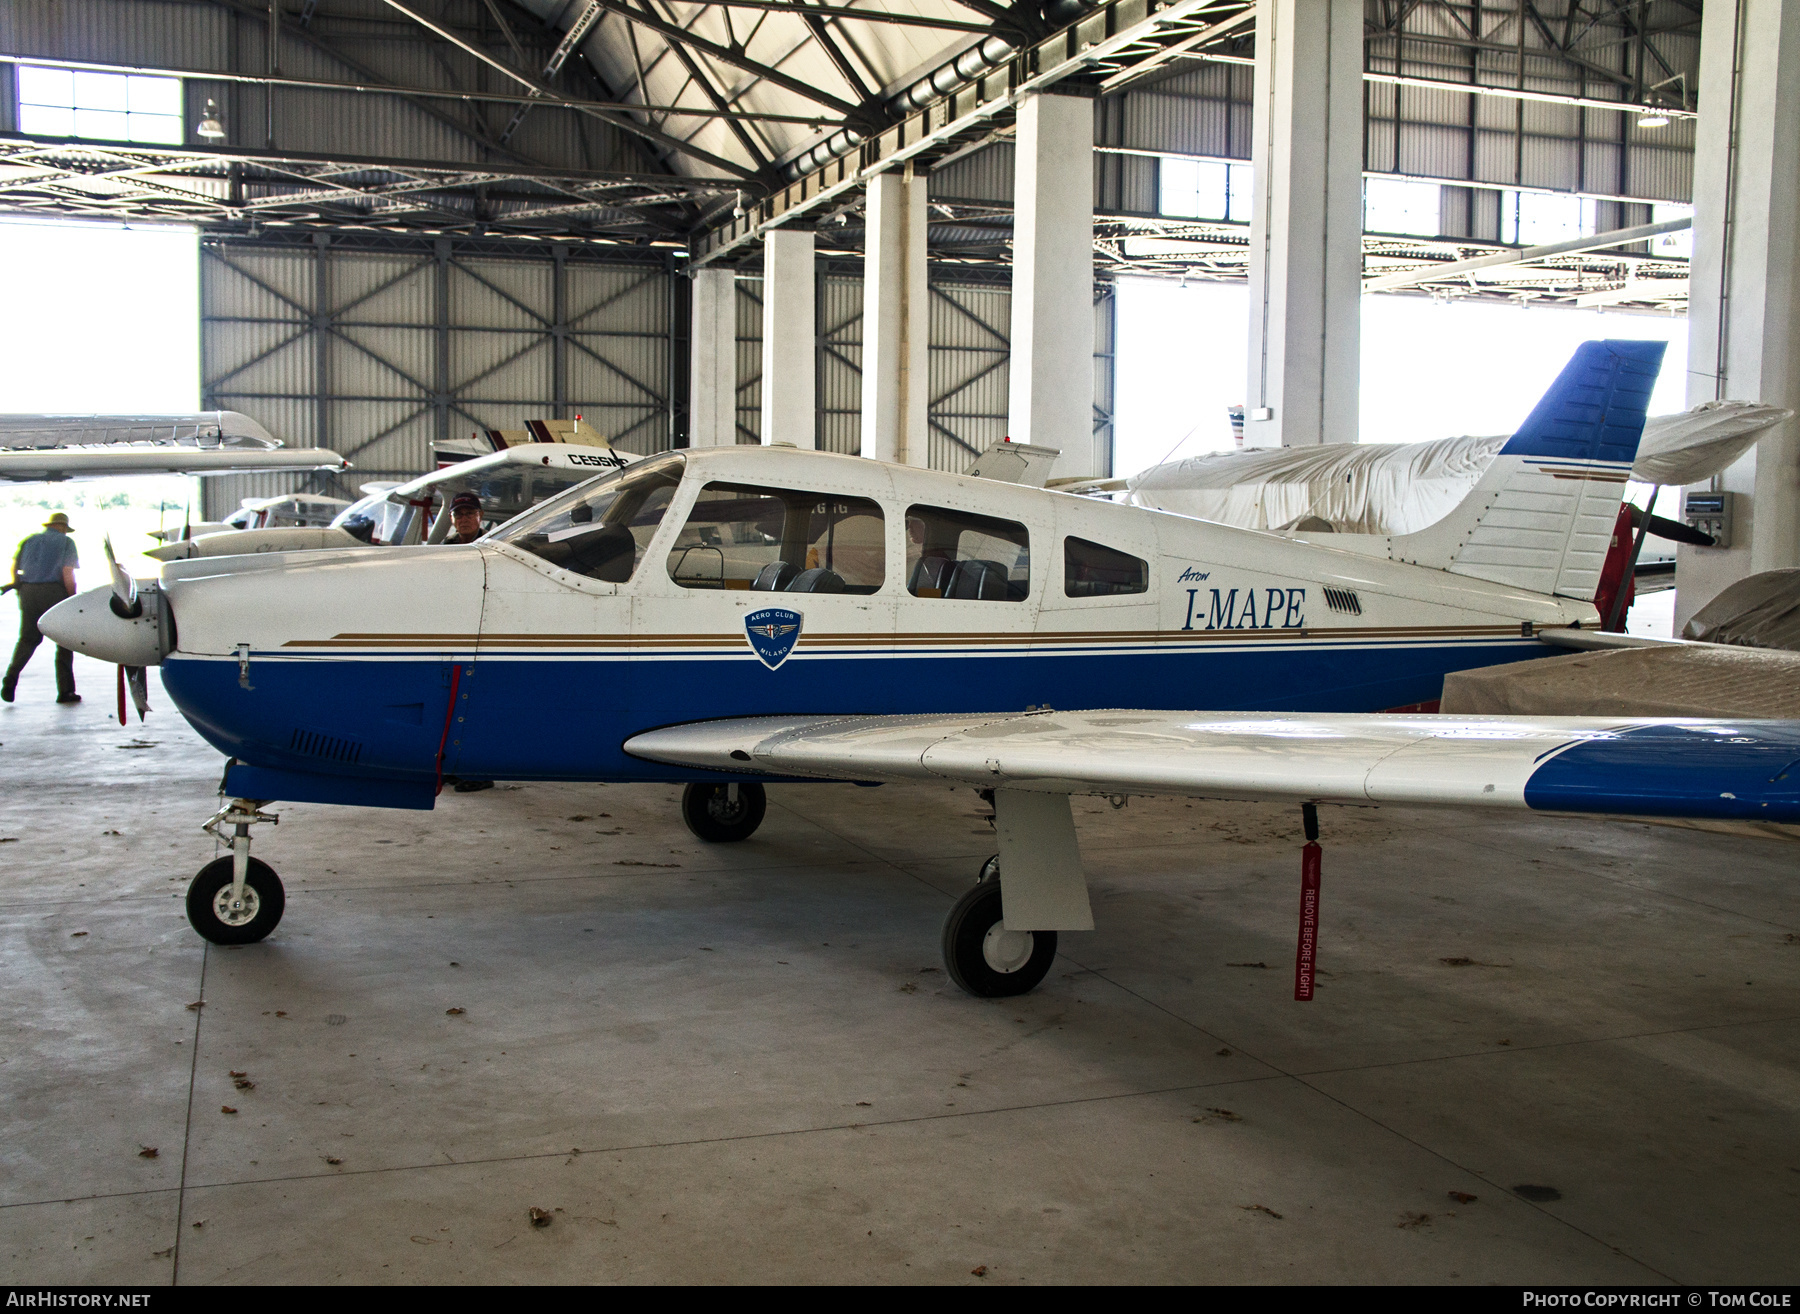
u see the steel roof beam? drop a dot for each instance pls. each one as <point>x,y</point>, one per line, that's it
<point>673,32</point>
<point>698,77</point>
<point>1106,41</point>
<point>623,121</point>
<point>1500,259</point>
<point>547,101</point>
<point>835,53</point>
<point>859,15</point>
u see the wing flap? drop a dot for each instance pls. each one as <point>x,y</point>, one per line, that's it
<point>1666,768</point>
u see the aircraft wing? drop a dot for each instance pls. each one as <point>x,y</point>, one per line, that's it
<point>109,460</point>
<point>1735,770</point>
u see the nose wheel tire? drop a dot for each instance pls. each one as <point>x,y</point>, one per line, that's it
<point>218,918</point>
<point>985,958</point>
<point>713,815</point>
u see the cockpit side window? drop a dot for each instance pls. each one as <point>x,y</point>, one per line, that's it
<point>780,540</point>
<point>1093,570</point>
<point>602,528</point>
<point>957,554</point>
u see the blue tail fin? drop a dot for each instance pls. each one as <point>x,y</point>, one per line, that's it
<point>1595,410</point>
<point>1542,516</point>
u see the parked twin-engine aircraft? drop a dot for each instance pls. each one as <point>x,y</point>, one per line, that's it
<point>720,617</point>
<point>52,448</point>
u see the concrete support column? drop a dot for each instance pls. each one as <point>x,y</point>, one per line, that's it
<point>1306,224</point>
<point>1744,283</point>
<point>1052,379</point>
<point>712,373</point>
<point>790,339</point>
<point>896,383</point>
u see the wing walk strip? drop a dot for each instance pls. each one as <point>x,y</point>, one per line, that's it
<point>1090,638</point>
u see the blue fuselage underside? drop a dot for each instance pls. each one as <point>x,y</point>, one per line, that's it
<point>566,718</point>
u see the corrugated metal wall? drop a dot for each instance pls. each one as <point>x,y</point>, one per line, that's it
<point>839,371</point>
<point>970,371</point>
<point>355,38</point>
<point>749,359</point>
<point>377,354</point>
<point>969,365</point>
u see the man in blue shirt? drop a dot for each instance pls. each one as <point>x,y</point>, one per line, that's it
<point>43,574</point>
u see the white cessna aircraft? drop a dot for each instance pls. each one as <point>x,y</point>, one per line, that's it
<point>52,448</point>
<point>722,617</point>
<point>508,481</point>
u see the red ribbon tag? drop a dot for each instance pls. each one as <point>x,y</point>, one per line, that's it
<point>1306,956</point>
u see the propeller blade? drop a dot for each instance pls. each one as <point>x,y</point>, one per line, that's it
<point>121,671</point>
<point>137,679</point>
<point>125,598</point>
<point>1673,530</point>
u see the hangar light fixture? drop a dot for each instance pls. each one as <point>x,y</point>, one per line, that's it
<point>1653,119</point>
<point>209,126</point>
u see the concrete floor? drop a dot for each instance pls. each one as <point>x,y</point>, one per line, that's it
<point>744,1063</point>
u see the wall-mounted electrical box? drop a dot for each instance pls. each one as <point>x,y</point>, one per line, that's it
<point>1710,513</point>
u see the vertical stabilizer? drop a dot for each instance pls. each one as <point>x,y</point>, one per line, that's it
<point>1542,516</point>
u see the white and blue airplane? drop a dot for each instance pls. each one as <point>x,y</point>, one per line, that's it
<point>724,617</point>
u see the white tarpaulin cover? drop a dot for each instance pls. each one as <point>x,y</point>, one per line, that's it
<point>1401,488</point>
<point>1760,611</point>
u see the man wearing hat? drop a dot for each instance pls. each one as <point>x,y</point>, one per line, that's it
<point>43,574</point>
<point>465,518</point>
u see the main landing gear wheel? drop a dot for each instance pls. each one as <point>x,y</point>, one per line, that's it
<point>985,958</point>
<point>723,814</point>
<point>223,920</point>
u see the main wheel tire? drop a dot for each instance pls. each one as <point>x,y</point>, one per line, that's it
<point>711,814</point>
<point>985,958</point>
<point>209,903</point>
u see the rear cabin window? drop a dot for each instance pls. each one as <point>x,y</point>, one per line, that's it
<point>956,554</point>
<point>1093,570</point>
<point>601,528</point>
<point>780,540</point>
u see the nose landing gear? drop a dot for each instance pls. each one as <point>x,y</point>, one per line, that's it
<point>239,899</point>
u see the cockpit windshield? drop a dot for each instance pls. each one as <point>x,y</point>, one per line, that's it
<point>601,528</point>
<point>504,490</point>
<point>373,519</point>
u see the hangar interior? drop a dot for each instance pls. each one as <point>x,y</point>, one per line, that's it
<point>893,229</point>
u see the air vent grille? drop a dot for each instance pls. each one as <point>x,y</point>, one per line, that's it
<point>1344,600</point>
<point>314,744</point>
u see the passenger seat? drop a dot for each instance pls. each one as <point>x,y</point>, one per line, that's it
<point>931,573</point>
<point>817,580</point>
<point>774,577</point>
<point>975,578</point>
